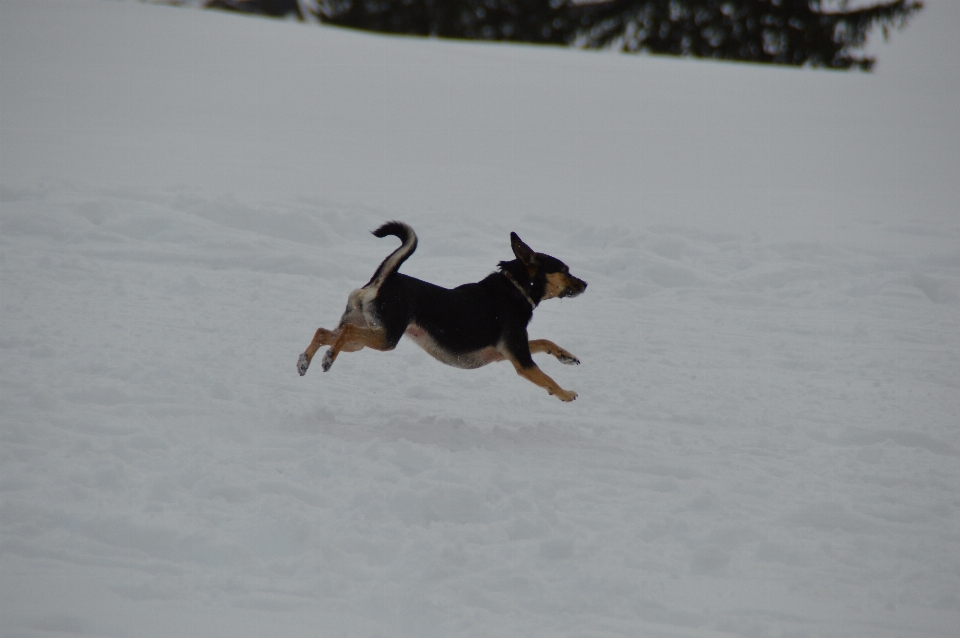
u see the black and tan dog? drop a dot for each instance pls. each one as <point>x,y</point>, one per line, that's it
<point>467,327</point>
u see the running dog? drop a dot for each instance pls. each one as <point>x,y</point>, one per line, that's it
<point>466,327</point>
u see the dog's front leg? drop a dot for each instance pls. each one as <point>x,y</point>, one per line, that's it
<point>535,375</point>
<point>545,345</point>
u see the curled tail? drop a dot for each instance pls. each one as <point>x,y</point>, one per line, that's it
<point>397,257</point>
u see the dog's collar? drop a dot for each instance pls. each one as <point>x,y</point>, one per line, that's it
<point>526,295</point>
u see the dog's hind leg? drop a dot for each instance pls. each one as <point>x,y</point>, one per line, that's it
<point>323,337</point>
<point>352,338</point>
<point>545,345</point>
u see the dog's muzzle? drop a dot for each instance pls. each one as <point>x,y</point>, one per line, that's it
<point>575,287</point>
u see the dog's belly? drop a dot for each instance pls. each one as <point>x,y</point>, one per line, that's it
<point>473,359</point>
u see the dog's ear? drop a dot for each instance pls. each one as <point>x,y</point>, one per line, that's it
<point>524,253</point>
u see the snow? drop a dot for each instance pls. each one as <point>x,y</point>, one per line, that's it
<point>765,441</point>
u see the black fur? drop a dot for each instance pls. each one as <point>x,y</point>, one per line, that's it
<point>409,244</point>
<point>461,320</point>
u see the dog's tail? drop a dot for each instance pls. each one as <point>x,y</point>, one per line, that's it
<point>397,257</point>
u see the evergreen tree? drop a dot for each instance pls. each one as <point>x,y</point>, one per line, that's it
<point>792,32</point>
<point>272,8</point>
<point>820,33</point>
<point>536,21</point>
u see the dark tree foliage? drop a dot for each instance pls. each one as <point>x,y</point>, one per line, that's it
<point>794,32</point>
<point>536,21</point>
<point>272,8</point>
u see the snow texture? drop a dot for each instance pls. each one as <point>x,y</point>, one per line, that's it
<point>766,437</point>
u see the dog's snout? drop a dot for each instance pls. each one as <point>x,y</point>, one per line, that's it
<point>574,287</point>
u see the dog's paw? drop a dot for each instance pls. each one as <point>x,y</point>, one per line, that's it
<point>302,364</point>
<point>328,358</point>
<point>567,395</point>
<point>567,358</point>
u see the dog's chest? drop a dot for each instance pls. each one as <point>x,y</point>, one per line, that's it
<point>473,359</point>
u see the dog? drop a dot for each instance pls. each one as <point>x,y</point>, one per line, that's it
<point>466,327</point>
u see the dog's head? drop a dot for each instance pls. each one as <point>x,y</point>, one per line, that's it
<point>548,276</point>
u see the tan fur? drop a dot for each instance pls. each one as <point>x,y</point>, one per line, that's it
<point>538,377</point>
<point>549,347</point>
<point>556,284</point>
<point>353,337</point>
<point>324,337</point>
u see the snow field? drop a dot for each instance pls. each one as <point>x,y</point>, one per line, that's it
<point>771,415</point>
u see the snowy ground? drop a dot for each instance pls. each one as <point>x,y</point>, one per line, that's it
<point>766,437</point>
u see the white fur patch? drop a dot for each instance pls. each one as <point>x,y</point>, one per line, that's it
<point>468,360</point>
